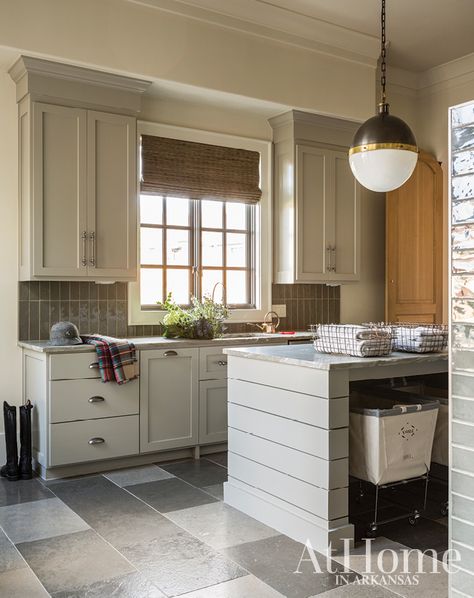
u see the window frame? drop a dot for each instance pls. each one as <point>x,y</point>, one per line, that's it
<point>262,258</point>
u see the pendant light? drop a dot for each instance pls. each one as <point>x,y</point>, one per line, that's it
<point>383,154</point>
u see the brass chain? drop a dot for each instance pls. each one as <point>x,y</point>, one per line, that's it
<point>383,55</point>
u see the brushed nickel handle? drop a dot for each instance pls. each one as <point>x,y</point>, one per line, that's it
<point>96,400</point>
<point>84,248</point>
<point>222,363</point>
<point>333,262</point>
<point>329,252</point>
<point>96,440</point>
<point>92,238</point>
<point>170,353</point>
<point>94,365</point>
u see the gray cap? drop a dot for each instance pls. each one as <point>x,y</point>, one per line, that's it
<point>64,333</point>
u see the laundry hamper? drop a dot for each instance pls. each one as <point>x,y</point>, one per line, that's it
<point>391,435</point>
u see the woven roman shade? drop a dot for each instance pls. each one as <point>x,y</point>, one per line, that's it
<point>199,171</point>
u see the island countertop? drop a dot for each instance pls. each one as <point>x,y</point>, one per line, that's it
<point>306,356</point>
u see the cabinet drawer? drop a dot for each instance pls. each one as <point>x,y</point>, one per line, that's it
<point>92,399</point>
<point>68,366</point>
<point>212,364</point>
<point>113,437</point>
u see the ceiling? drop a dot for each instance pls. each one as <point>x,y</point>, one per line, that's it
<point>422,33</point>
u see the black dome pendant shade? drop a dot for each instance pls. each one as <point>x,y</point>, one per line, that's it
<point>383,153</point>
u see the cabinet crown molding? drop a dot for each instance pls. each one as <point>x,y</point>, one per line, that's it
<point>299,116</point>
<point>46,80</point>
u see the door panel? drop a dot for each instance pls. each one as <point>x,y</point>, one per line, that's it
<point>168,399</point>
<point>212,411</point>
<point>112,190</point>
<point>59,189</point>
<point>414,246</point>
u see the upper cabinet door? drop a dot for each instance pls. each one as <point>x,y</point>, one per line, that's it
<point>59,191</point>
<point>313,187</point>
<point>112,196</point>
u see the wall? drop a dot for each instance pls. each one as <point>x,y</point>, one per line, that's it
<point>103,309</point>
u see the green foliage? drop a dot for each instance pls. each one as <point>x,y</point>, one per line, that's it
<point>204,319</point>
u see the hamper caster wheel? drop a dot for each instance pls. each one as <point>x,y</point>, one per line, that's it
<point>413,519</point>
<point>444,509</point>
<point>372,531</point>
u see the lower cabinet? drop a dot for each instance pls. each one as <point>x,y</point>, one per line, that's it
<point>168,399</point>
<point>212,411</point>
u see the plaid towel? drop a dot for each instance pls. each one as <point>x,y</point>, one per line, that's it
<point>117,358</point>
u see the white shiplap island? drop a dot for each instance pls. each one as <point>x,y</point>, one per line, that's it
<point>288,418</point>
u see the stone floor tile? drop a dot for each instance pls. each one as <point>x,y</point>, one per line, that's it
<point>357,591</point>
<point>10,558</point>
<point>216,490</point>
<point>170,495</point>
<point>24,584</point>
<point>275,561</point>
<point>72,561</point>
<point>242,587</point>
<point>137,475</point>
<point>13,493</point>
<point>220,525</point>
<point>219,458</point>
<point>199,472</point>
<point>133,585</point>
<point>180,563</point>
<point>30,521</point>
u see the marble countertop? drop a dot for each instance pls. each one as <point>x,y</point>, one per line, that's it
<point>159,342</point>
<point>306,356</point>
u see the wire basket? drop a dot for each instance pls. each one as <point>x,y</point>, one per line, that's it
<point>411,337</point>
<point>358,341</point>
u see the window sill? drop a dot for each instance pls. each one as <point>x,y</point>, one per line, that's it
<point>155,317</point>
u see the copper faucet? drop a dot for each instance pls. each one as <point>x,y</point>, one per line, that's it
<point>269,326</point>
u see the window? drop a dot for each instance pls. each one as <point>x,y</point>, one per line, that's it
<point>187,247</point>
<point>188,243</point>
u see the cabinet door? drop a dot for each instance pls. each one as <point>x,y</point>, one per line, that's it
<point>312,190</point>
<point>212,411</point>
<point>168,399</point>
<point>112,195</point>
<point>343,220</point>
<point>59,191</point>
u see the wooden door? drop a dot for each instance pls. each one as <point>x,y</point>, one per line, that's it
<point>112,196</point>
<point>59,191</point>
<point>212,411</point>
<point>168,399</point>
<point>414,254</point>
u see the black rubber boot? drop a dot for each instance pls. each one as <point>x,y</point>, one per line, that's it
<point>10,469</point>
<point>26,471</point>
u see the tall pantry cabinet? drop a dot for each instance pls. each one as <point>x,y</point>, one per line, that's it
<point>78,172</point>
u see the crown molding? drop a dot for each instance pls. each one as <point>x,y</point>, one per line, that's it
<point>448,75</point>
<point>266,20</point>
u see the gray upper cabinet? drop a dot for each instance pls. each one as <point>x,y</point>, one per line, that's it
<point>78,172</point>
<point>316,202</point>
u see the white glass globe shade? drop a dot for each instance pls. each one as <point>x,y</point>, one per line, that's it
<point>383,170</point>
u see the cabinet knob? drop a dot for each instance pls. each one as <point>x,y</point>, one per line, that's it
<point>222,363</point>
<point>94,365</point>
<point>170,353</point>
<point>96,440</point>
<point>96,400</point>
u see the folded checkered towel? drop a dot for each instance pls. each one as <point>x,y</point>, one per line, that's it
<point>117,358</point>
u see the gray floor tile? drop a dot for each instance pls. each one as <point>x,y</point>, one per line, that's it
<point>40,519</point>
<point>66,563</point>
<point>133,585</point>
<point>219,458</point>
<point>242,587</point>
<point>113,512</point>
<point>220,525</point>
<point>358,591</point>
<point>200,472</point>
<point>13,493</point>
<point>10,558</point>
<point>216,490</point>
<point>181,563</point>
<point>137,475</point>
<point>24,585</point>
<point>275,561</point>
<point>170,495</point>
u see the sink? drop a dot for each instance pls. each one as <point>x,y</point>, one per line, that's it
<point>237,335</point>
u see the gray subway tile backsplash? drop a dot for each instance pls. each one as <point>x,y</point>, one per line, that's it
<point>104,308</point>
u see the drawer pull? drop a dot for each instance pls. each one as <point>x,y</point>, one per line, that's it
<point>222,363</point>
<point>96,440</point>
<point>170,354</point>
<point>94,365</point>
<point>96,400</point>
